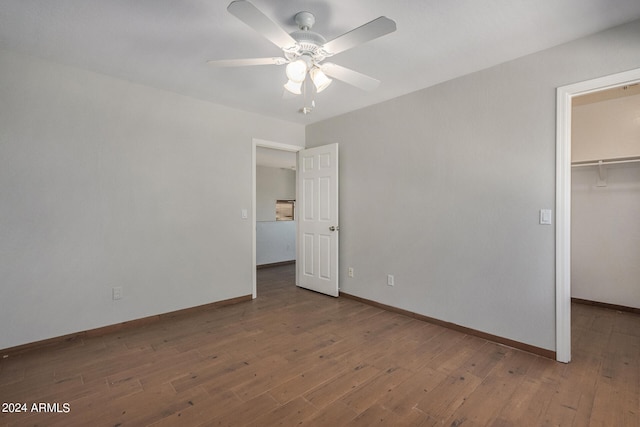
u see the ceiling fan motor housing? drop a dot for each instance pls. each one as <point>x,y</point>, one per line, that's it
<point>305,20</point>
<point>308,42</point>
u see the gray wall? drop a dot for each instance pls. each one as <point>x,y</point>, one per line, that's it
<point>106,183</point>
<point>442,189</point>
<point>275,242</point>
<point>273,184</point>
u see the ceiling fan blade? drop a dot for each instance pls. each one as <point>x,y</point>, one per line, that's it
<point>369,31</point>
<point>253,17</point>
<point>247,62</point>
<point>349,76</point>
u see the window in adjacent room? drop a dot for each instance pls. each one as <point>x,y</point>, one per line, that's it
<point>285,210</point>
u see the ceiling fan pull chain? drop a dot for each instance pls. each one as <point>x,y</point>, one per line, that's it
<point>308,102</point>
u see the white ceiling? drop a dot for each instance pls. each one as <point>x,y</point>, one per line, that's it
<point>166,43</point>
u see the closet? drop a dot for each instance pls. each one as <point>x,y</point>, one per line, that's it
<point>605,197</point>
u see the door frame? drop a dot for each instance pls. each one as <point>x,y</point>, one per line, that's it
<point>276,146</point>
<point>564,97</point>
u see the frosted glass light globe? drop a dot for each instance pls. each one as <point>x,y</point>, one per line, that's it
<point>297,70</point>
<point>320,79</point>
<point>294,87</point>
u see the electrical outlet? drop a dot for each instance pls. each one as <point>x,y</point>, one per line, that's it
<point>350,271</point>
<point>116,293</point>
<point>390,280</point>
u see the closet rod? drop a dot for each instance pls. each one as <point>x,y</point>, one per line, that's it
<point>603,162</point>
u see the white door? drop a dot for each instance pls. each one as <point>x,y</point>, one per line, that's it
<point>317,218</point>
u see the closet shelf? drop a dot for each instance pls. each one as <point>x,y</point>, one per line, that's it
<point>602,162</point>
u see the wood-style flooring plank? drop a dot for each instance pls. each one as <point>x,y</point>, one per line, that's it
<point>246,412</point>
<point>361,398</point>
<point>445,399</point>
<point>335,414</point>
<point>291,413</point>
<point>340,385</point>
<point>495,391</point>
<point>405,397</point>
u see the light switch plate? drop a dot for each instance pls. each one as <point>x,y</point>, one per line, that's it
<point>545,216</point>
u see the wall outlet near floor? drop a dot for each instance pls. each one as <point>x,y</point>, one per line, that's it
<point>116,293</point>
<point>390,280</point>
<point>350,272</point>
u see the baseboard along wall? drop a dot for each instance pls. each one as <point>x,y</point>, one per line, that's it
<point>117,327</point>
<point>606,305</point>
<point>550,354</point>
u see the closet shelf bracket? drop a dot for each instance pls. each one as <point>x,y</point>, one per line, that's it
<point>602,175</point>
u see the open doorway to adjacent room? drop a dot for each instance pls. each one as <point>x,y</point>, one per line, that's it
<point>274,194</point>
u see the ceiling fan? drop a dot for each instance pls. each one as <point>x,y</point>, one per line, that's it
<point>304,50</point>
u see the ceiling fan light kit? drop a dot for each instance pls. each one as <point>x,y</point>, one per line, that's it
<point>294,87</point>
<point>320,79</point>
<point>305,50</point>
<point>297,70</point>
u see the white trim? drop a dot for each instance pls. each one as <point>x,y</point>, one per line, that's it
<point>276,145</point>
<point>564,98</point>
<point>563,226</point>
<point>267,144</point>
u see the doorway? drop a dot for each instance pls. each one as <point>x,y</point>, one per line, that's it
<point>564,100</point>
<point>280,157</point>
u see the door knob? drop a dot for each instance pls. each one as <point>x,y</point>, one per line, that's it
<point>334,228</point>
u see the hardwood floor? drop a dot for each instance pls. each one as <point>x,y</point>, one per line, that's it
<point>296,357</point>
